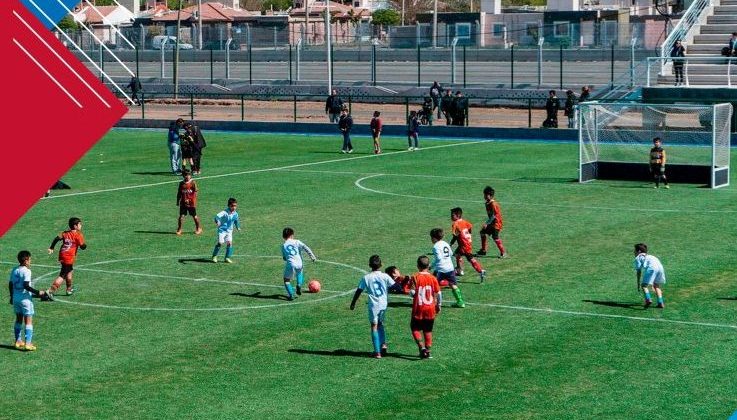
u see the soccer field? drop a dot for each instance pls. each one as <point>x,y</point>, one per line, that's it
<point>557,331</point>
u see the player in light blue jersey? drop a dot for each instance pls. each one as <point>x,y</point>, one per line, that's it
<point>650,272</point>
<point>21,291</point>
<point>442,265</point>
<point>226,220</point>
<point>291,252</point>
<point>376,284</point>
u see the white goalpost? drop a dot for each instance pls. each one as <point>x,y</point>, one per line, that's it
<point>615,141</point>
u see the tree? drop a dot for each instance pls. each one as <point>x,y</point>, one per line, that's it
<point>383,17</point>
<point>276,4</point>
<point>67,24</point>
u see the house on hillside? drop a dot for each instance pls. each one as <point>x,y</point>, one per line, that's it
<point>348,23</point>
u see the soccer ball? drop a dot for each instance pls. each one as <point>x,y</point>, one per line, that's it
<point>314,286</point>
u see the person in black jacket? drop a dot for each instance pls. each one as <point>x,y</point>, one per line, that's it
<point>676,52</point>
<point>460,107</point>
<point>345,123</point>
<point>199,144</point>
<point>435,91</point>
<point>446,107</point>
<point>333,106</point>
<point>552,105</point>
<point>135,86</point>
<point>568,108</point>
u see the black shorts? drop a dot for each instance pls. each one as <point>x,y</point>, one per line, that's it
<point>657,169</point>
<point>489,230</point>
<point>65,269</point>
<point>184,210</point>
<point>449,276</point>
<point>421,324</point>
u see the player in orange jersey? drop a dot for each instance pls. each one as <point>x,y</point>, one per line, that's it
<point>401,282</point>
<point>187,201</point>
<point>461,230</point>
<point>426,303</point>
<point>493,224</point>
<point>71,239</point>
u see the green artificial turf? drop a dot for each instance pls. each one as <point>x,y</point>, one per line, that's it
<point>558,331</point>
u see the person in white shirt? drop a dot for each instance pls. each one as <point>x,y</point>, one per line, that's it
<point>650,272</point>
<point>291,252</point>
<point>442,265</point>
<point>376,284</point>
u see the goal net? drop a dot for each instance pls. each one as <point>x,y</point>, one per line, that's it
<point>615,141</point>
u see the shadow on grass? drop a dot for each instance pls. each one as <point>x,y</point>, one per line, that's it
<point>156,232</point>
<point>195,260</point>
<point>8,347</point>
<point>546,180</point>
<point>337,152</point>
<point>400,304</point>
<point>727,298</point>
<point>168,173</point>
<point>258,295</point>
<point>351,353</point>
<point>611,303</point>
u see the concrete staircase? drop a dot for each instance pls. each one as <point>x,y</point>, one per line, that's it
<point>712,37</point>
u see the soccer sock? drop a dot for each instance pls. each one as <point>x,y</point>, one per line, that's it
<point>647,295</point>
<point>16,331</point>
<point>29,334</point>
<point>382,334</point>
<point>300,279</point>
<point>216,251</point>
<point>660,300</point>
<point>428,340</point>
<point>228,251</point>
<point>457,294</point>
<point>418,337</point>
<point>484,242</point>
<point>459,263</point>
<point>375,340</point>
<point>476,265</point>
<point>499,245</point>
<point>288,287</point>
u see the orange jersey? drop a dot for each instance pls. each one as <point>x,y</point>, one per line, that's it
<point>462,231</point>
<point>187,195</point>
<point>495,214</point>
<point>71,240</point>
<point>423,304</point>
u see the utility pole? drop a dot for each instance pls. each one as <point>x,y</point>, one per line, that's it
<point>435,24</point>
<point>329,45</point>
<point>402,12</point>
<point>199,23</point>
<point>176,51</point>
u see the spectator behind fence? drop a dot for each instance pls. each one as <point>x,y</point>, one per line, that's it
<point>552,105</point>
<point>731,49</point>
<point>585,94</point>
<point>676,52</point>
<point>333,106</point>
<point>460,108</point>
<point>446,106</point>
<point>427,111</point>
<point>435,91</point>
<point>568,108</point>
<point>345,123</point>
<point>175,150</point>
<point>135,86</point>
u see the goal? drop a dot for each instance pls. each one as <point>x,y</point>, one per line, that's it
<point>615,141</point>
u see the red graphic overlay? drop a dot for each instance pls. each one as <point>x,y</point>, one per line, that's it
<point>54,110</point>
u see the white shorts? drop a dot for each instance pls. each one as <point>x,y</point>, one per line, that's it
<point>224,237</point>
<point>23,307</point>
<point>290,271</point>
<point>653,277</point>
<point>376,316</point>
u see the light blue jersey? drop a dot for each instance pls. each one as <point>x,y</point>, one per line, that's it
<point>227,221</point>
<point>291,252</point>
<point>376,284</point>
<point>18,277</point>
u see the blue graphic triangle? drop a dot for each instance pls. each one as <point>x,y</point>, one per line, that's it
<point>51,8</point>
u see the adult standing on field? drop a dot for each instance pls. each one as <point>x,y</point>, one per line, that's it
<point>345,123</point>
<point>175,150</point>
<point>446,106</point>
<point>333,106</point>
<point>460,109</point>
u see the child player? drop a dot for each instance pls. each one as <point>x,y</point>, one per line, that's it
<point>187,201</point>
<point>650,272</point>
<point>425,305</point>
<point>21,291</point>
<point>291,252</point>
<point>72,240</point>
<point>657,163</point>
<point>462,233</point>
<point>442,265</point>
<point>401,283</point>
<point>376,126</point>
<point>226,220</point>
<point>376,284</point>
<point>493,224</point>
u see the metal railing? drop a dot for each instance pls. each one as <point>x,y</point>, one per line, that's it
<point>726,61</point>
<point>689,19</point>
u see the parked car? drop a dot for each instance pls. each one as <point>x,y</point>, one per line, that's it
<point>158,40</point>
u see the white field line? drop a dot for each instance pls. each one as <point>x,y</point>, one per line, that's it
<point>43,69</point>
<point>359,185</point>
<point>74,72</point>
<point>255,171</point>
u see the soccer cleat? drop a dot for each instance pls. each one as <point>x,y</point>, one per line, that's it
<point>29,347</point>
<point>427,354</point>
<point>409,149</point>
<point>424,354</point>
<point>299,291</point>
<point>350,151</point>
<point>228,260</point>
<point>384,350</point>
<point>480,252</point>
<point>459,305</point>
<point>70,291</point>
<point>667,187</point>
<point>19,345</point>
<point>656,187</point>
<point>179,233</point>
<point>482,275</point>
<point>214,258</point>
<point>660,305</point>
<point>377,356</point>
<point>648,303</point>
<point>342,151</point>
<point>504,255</point>
<point>460,273</point>
<point>417,148</point>
<point>198,231</point>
